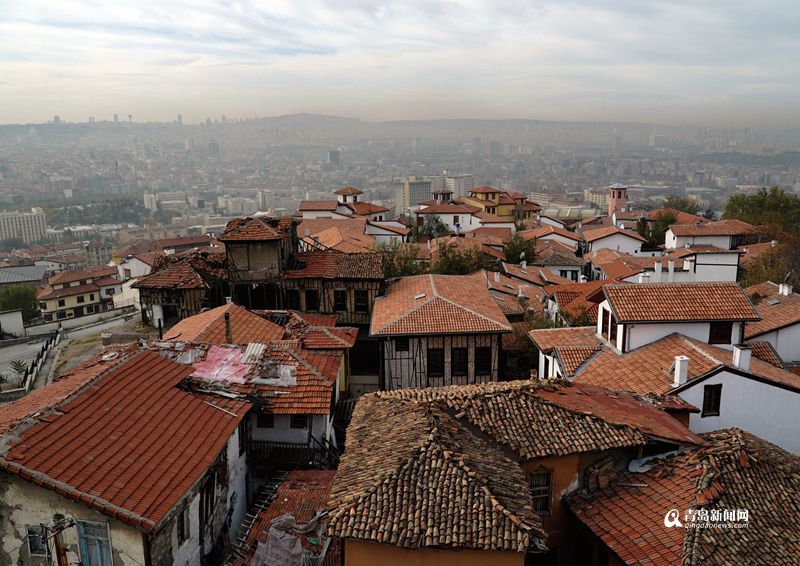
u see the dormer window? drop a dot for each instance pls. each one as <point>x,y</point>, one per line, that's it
<point>720,333</point>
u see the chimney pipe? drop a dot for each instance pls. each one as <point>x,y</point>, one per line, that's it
<point>228,300</point>
<point>741,356</point>
<point>523,264</point>
<point>497,277</point>
<point>228,331</point>
<point>671,271</point>
<point>160,329</point>
<point>681,371</point>
<point>657,271</point>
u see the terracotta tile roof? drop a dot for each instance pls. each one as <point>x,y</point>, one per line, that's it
<point>70,276</point>
<point>776,310</point>
<point>335,265</point>
<point>551,252</point>
<point>680,216</point>
<point>508,304</point>
<point>319,205</point>
<point>577,418</point>
<point>314,379</point>
<point>345,235</point>
<point>100,448</point>
<point>649,369</point>
<point>323,338</point>
<point>455,242</point>
<point>734,470</point>
<point>40,401</point>
<point>766,353</point>
<point>721,228</point>
<point>148,258</point>
<point>194,270</point>
<point>752,252</point>
<point>548,230</point>
<point>675,302</point>
<point>302,495</point>
<point>47,292</point>
<point>487,218</point>
<point>403,459</point>
<point>257,229</point>
<point>209,327</point>
<point>485,189</point>
<point>534,275</point>
<point>437,304</point>
<point>348,191</point>
<point>548,338</point>
<point>365,208</point>
<point>183,241</point>
<point>452,208</point>
<point>500,234</point>
<point>572,357</point>
<point>598,233</point>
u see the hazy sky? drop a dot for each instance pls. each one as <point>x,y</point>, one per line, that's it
<point>728,61</point>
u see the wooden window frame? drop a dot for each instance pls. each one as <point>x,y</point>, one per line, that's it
<point>718,329</point>
<point>339,294</point>
<point>363,294</point>
<point>712,400</point>
<point>460,368</point>
<point>439,372</point>
<point>541,492</point>
<point>402,344</point>
<point>479,370</point>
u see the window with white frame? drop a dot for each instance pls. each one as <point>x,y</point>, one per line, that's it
<point>94,543</point>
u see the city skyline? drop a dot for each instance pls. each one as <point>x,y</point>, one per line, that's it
<point>713,64</point>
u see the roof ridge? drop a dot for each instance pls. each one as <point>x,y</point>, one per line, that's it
<point>406,313</point>
<point>699,350</point>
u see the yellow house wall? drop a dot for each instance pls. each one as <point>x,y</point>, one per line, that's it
<point>362,553</point>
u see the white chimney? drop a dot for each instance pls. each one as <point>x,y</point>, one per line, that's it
<point>784,289</point>
<point>681,371</point>
<point>228,300</point>
<point>657,271</point>
<point>671,271</point>
<point>497,277</point>
<point>523,264</point>
<point>688,265</point>
<point>773,243</point>
<point>644,278</point>
<point>741,356</point>
<point>582,278</point>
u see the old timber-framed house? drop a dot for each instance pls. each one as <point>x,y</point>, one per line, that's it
<point>438,330</point>
<point>258,250</point>
<point>181,286</point>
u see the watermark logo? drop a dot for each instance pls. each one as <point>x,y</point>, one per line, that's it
<point>708,519</point>
<point>672,519</point>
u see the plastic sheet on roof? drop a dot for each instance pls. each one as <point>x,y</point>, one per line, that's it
<point>222,365</point>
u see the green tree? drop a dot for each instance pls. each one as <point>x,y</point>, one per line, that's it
<point>519,248</point>
<point>11,244</point>
<point>164,216</point>
<point>683,204</point>
<point>432,228</point>
<point>19,297</point>
<point>459,261</point>
<point>767,207</point>
<point>19,367</point>
<point>709,214</point>
<point>779,264</point>
<point>399,259</point>
<point>654,231</point>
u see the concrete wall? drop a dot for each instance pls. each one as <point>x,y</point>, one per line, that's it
<point>137,269</point>
<point>759,408</point>
<point>642,334</point>
<point>786,342</point>
<point>672,242</point>
<point>11,322</point>
<point>571,244</point>
<point>362,553</point>
<point>23,503</point>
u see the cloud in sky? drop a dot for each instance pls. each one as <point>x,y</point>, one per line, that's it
<point>672,60</point>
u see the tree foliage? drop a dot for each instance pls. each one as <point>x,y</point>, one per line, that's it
<point>780,264</point>
<point>655,231</point>
<point>432,228</point>
<point>683,204</point>
<point>767,207</point>
<point>520,248</point>
<point>399,259</point>
<point>459,261</point>
<point>19,367</point>
<point>19,297</point>
<point>11,244</point>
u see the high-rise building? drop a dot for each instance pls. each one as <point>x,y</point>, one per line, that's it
<point>26,226</point>
<point>410,192</point>
<point>334,157</point>
<point>180,120</point>
<point>116,117</point>
<point>213,148</point>
<point>150,201</point>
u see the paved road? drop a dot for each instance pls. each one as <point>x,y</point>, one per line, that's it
<point>27,352</point>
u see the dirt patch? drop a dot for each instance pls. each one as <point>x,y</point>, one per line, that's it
<point>76,352</point>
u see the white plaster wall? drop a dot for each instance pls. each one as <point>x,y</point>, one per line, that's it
<point>509,225</point>
<point>671,241</point>
<point>137,267</point>
<point>572,244</point>
<point>23,503</point>
<point>571,269</point>
<point>188,553</point>
<point>237,485</point>
<point>642,334</point>
<point>283,432</point>
<point>786,342</point>
<point>618,242</point>
<point>761,409</point>
<point>550,222</point>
